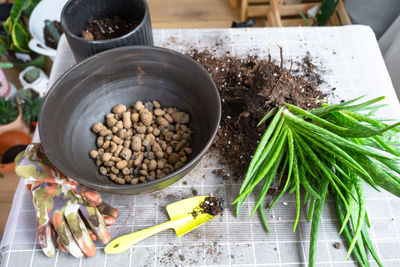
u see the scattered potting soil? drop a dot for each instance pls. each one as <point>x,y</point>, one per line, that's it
<point>189,254</point>
<point>222,173</point>
<point>249,88</point>
<point>195,213</point>
<point>48,38</point>
<point>337,245</point>
<point>212,205</point>
<point>11,153</point>
<point>108,28</point>
<point>194,192</point>
<point>273,191</point>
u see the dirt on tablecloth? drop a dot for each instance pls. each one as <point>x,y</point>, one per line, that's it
<point>249,88</point>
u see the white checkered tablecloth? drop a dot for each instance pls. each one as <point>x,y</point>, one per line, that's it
<point>353,64</point>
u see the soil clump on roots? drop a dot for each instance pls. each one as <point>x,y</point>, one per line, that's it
<point>249,88</point>
<point>212,205</point>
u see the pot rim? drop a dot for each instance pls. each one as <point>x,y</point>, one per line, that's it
<point>114,187</point>
<point>67,30</point>
<point>7,167</point>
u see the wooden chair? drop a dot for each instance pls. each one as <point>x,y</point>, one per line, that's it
<point>279,14</point>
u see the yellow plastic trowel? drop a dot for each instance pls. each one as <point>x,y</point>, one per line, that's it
<point>185,215</point>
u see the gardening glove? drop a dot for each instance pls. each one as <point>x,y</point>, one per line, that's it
<point>74,214</point>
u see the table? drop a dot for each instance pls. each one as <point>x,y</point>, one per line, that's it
<point>353,64</point>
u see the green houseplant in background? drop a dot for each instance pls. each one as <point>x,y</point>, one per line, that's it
<point>324,13</point>
<point>31,107</point>
<point>8,111</point>
<point>30,101</point>
<point>10,116</point>
<point>14,45</point>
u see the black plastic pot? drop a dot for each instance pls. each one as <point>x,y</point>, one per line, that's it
<point>76,13</point>
<point>89,90</point>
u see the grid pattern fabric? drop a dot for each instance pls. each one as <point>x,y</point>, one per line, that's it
<point>352,63</point>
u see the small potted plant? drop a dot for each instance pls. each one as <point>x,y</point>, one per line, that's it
<point>31,102</point>
<point>11,143</point>
<point>35,79</point>
<point>10,116</point>
<point>94,26</point>
<point>14,44</point>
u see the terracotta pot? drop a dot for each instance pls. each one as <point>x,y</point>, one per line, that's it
<point>18,124</point>
<point>9,139</point>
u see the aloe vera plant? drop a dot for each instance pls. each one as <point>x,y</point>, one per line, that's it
<point>330,150</point>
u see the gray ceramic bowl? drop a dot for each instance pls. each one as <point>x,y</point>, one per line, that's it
<point>76,13</point>
<point>88,91</point>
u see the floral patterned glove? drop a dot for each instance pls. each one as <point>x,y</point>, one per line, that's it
<point>74,214</point>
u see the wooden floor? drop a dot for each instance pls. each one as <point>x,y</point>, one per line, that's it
<point>191,13</point>
<point>8,184</point>
<point>164,14</point>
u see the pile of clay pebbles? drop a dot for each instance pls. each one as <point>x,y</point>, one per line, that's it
<point>141,143</point>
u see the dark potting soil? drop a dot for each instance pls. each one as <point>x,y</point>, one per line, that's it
<point>249,88</point>
<point>337,245</point>
<point>108,28</point>
<point>212,205</point>
<point>48,38</point>
<point>11,153</point>
<point>194,192</point>
<point>195,213</point>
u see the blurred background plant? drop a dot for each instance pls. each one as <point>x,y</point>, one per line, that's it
<point>5,65</point>
<point>8,111</point>
<point>319,15</point>
<point>15,38</point>
<point>325,11</point>
<point>30,102</point>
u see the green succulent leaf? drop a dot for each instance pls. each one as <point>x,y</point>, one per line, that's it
<point>8,111</point>
<point>21,6</point>
<point>325,11</point>
<point>31,107</point>
<point>6,65</point>
<point>29,7</point>
<point>20,37</point>
<point>329,150</point>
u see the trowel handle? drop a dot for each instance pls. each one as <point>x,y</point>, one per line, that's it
<point>124,242</point>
